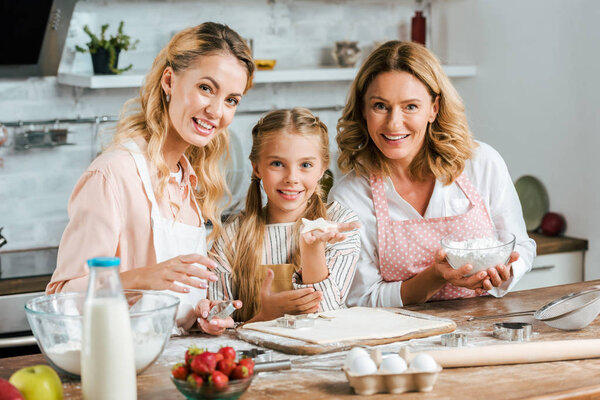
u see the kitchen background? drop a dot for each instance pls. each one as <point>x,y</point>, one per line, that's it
<point>534,95</point>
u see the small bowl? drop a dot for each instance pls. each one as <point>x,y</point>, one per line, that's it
<point>232,391</point>
<point>265,64</point>
<point>57,322</point>
<point>482,249</point>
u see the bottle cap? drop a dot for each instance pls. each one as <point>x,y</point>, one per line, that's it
<point>104,262</point>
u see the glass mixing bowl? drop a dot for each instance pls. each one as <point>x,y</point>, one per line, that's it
<point>482,249</point>
<point>56,321</point>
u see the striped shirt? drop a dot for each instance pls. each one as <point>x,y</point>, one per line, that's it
<point>278,247</point>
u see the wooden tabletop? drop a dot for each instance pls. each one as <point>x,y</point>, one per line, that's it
<point>550,380</point>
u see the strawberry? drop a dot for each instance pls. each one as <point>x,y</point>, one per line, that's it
<point>219,357</point>
<point>194,380</point>
<point>180,371</point>
<point>240,372</point>
<point>226,366</point>
<point>248,363</point>
<point>204,363</point>
<point>228,352</point>
<point>218,380</point>
<point>190,353</point>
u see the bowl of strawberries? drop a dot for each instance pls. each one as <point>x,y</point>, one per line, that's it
<point>208,375</point>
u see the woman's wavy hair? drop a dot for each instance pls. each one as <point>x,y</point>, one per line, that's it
<point>147,116</point>
<point>448,141</point>
<point>248,247</point>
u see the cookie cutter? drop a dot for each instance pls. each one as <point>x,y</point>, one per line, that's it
<point>221,310</point>
<point>257,355</point>
<point>295,321</point>
<point>454,339</point>
<point>513,331</point>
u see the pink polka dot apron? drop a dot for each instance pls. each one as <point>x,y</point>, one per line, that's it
<point>408,247</point>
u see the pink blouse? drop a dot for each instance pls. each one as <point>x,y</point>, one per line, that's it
<point>109,215</point>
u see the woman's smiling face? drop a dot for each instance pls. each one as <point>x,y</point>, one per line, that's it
<point>290,167</point>
<point>204,97</point>
<point>397,110</point>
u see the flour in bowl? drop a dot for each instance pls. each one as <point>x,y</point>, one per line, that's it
<point>482,253</point>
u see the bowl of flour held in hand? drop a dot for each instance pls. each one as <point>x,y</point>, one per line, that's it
<point>482,249</point>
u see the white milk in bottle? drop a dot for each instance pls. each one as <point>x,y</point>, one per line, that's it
<point>107,359</point>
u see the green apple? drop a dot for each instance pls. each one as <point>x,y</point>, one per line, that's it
<point>39,382</point>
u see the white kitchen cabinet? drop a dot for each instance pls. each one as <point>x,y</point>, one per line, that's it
<point>554,269</point>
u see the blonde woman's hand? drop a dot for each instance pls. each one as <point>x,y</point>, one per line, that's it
<point>500,273</point>
<point>275,305</point>
<point>330,235</point>
<point>216,326</point>
<point>457,277</point>
<point>164,276</point>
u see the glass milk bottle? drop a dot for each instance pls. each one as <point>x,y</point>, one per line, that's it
<point>107,359</point>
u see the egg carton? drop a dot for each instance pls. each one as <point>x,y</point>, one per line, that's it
<point>410,380</point>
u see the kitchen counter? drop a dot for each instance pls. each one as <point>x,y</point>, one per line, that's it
<point>562,379</point>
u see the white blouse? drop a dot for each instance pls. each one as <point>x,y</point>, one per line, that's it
<point>489,175</point>
<point>278,247</point>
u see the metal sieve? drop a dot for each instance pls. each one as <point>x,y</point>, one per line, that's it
<point>571,312</point>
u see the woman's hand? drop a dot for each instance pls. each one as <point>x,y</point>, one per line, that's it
<point>164,275</point>
<point>275,305</point>
<point>457,277</point>
<point>216,326</point>
<point>500,273</point>
<point>329,236</point>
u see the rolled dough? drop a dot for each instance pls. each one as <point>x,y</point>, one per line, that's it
<point>351,324</point>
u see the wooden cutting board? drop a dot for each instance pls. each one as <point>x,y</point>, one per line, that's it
<point>348,327</point>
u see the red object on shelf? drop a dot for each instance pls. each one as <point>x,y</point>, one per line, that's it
<point>418,28</point>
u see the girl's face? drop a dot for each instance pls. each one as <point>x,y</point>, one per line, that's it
<point>397,109</point>
<point>204,98</point>
<point>290,167</point>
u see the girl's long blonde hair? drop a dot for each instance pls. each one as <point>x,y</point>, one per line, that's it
<point>147,116</point>
<point>249,239</point>
<point>448,142</point>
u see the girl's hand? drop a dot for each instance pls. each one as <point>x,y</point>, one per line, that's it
<point>216,326</point>
<point>164,275</point>
<point>330,236</point>
<point>275,305</point>
<point>457,277</point>
<point>500,273</point>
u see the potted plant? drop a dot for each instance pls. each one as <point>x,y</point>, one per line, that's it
<point>105,52</point>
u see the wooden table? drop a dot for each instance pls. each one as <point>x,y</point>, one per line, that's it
<point>551,380</point>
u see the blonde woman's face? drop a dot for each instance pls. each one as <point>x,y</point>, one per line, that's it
<point>204,97</point>
<point>397,109</point>
<point>290,167</point>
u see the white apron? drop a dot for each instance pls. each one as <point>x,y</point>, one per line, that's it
<point>172,239</point>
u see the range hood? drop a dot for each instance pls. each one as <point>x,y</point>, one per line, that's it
<point>33,36</point>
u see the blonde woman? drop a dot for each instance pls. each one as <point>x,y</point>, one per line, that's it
<point>415,174</point>
<point>147,198</point>
<point>270,258</point>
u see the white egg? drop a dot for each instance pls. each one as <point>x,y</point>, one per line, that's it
<point>393,363</point>
<point>354,353</point>
<point>363,365</point>
<point>424,363</point>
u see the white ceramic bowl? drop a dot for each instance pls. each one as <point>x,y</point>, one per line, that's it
<point>57,320</point>
<point>482,249</point>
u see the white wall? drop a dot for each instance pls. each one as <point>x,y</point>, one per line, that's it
<point>536,95</point>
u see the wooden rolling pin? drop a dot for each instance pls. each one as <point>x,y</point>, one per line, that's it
<point>513,353</point>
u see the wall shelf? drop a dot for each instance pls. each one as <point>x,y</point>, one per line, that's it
<point>274,76</point>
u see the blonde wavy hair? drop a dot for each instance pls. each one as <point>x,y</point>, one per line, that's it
<point>147,116</point>
<point>248,248</point>
<point>448,141</point>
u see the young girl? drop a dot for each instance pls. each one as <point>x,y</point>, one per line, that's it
<point>266,256</point>
<point>145,200</point>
